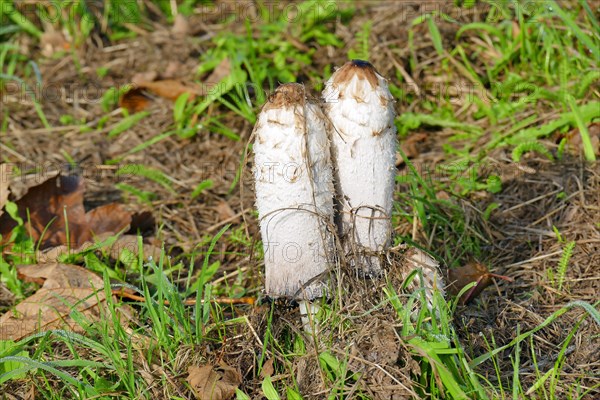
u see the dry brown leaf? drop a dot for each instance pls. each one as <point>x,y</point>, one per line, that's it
<point>172,88</point>
<point>224,211</point>
<point>220,72</point>
<point>5,173</point>
<point>267,368</point>
<point>473,271</point>
<point>130,243</point>
<point>52,254</point>
<point>214,382</point>
<point>64,288</point>
<point>135,101</point>
<point>59,201</point>
<point>50,204</point>
<point>411,146</point>
<point>111,218</point>
<point>141,222</point>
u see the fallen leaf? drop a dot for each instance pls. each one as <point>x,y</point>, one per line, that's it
<point>172,88</point>
<point>50,205</point>
<point>410,146</point>
<point>58,202</point>
<point>112,218</point>
<point>267,368</point>
<point>130,243</point>
<point>135,101</point>
<point>53,254</point>
<point>65,288</point>
<point>5,172</point>
<point>214,382</point>
<point>124,249</point>
<point>473,271</point>
<point>220,72</point>
<point>224,211</point>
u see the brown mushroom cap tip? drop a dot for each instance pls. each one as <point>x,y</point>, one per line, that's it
<point>286,95</point>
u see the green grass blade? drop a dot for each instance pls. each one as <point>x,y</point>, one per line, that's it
<point>585,39</point>
<point>588,148</point>
<point>127,123</point>
<point>269,390</point>
<point>7,9</point>
<point>46,366</point>
<point>436,37</point>
<point>595,314</point>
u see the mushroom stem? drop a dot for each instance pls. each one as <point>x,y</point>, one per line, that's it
<point>308,314</point>
<point>294,194</point>
<point>361,110</point>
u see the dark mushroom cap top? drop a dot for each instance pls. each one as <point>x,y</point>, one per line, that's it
<point>359,68</point>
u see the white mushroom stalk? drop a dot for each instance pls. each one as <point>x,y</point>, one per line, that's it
<point>294,194</point>
<point>360,108</point>
<point>416,259</point>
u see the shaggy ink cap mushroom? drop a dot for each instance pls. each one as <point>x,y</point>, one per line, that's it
<point>360,107</point>
<point>294,194</point>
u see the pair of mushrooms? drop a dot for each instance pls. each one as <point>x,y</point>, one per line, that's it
<point>324,171</point>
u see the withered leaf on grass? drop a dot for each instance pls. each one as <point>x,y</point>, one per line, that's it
<point>135,100</point>
<point>64,288</point>
<point>214,382</point>
<point>267,368</point>
<point>130,243</point>
<point>58,203</point>
<point>53,202</point>
<point>124,248</point>
<point>220,72</point>
<point>108,218</point>
<point>412,146</point>
<point>460,277</point>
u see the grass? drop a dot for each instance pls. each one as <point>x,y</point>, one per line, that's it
<point>530,72</point>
